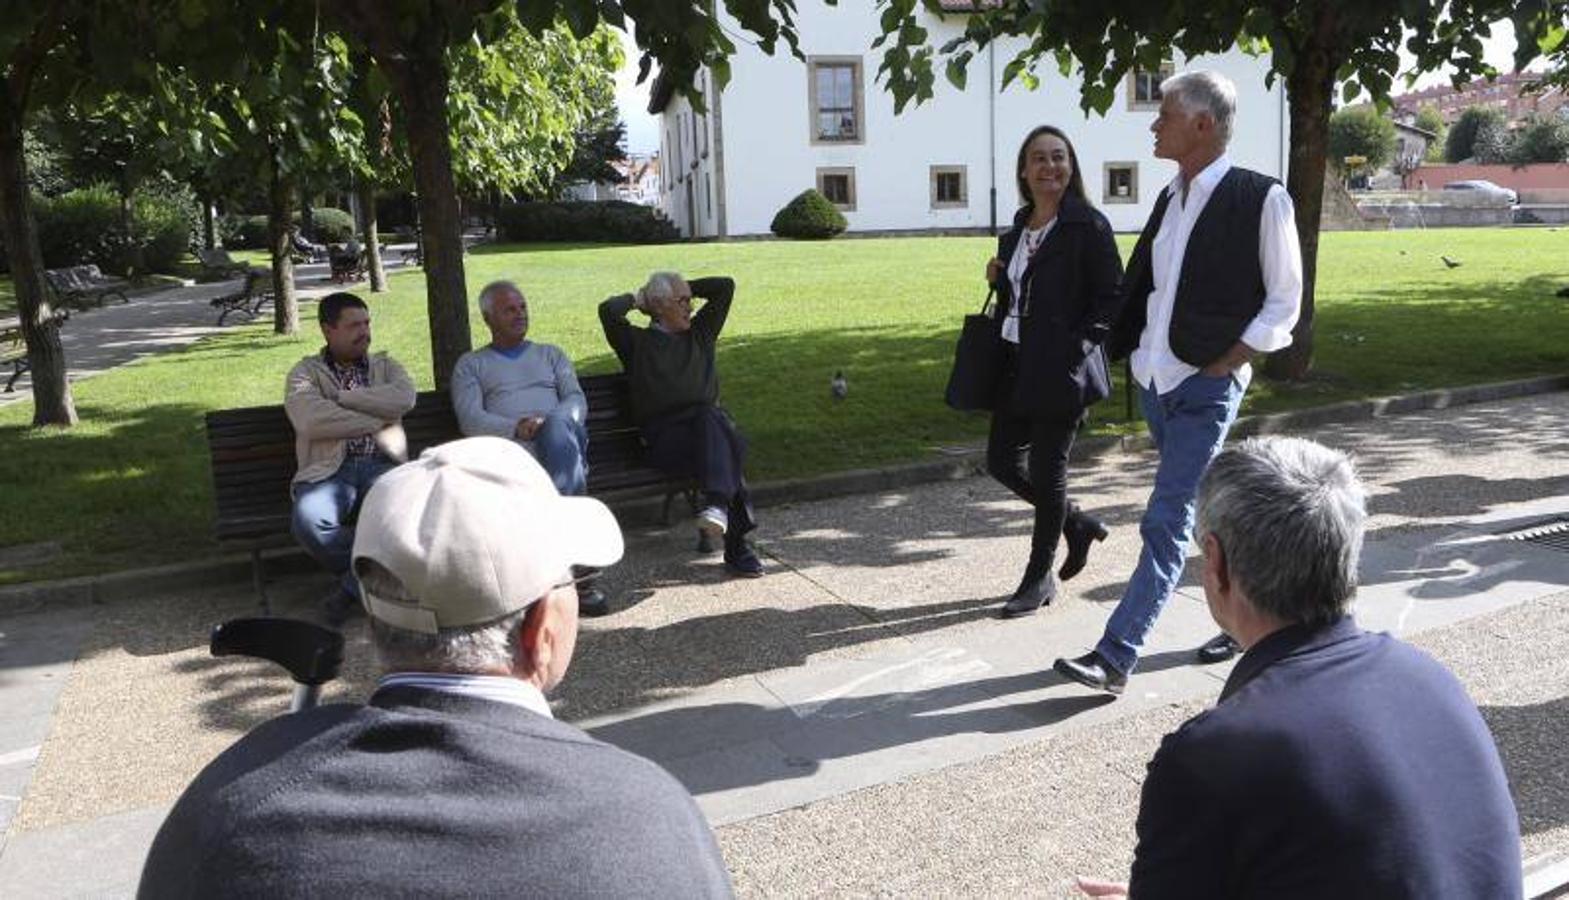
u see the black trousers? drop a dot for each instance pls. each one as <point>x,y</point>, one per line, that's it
<point>703,442</point>
<point>1029,456</point>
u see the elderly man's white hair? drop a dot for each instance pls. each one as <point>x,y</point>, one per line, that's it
<point>661,286</point>
<point>1205,92</point>
<point>489,293</point>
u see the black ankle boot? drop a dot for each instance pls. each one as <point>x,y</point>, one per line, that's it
<point>1080,531</point>
<point>1036,590</point>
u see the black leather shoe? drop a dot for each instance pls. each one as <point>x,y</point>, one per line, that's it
<point>706,545</point>
<point>741,559</point>
<point>1218,649</point>
<point>1092,671</point>
<point>591,601</point>
<point>1034,592</point>
<point>1080,531</point>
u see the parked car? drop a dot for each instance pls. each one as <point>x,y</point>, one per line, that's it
<point>1484,188</point>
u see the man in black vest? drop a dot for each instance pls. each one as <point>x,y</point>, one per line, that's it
<point>1200,302</point>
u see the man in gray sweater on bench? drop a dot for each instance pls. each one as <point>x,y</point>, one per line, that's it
<point>528,392</point>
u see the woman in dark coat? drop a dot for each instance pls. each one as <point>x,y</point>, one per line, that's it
<point>1056,274</point>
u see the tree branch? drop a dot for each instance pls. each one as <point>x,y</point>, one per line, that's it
<point>30,55</point>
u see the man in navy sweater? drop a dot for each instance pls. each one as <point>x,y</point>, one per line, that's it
<point>1338,763</point>
<point>454,780</point>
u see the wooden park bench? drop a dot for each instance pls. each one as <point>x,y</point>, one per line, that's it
<point>13,349</point>
<point>85,287</point>
<point>347,267</point>
<point>252,454</point>
<point>249,299</point>
<point>218,265</point>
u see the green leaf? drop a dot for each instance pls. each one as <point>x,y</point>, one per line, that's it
<point>955,72</point>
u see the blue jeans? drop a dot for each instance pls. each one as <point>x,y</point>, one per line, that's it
<point>325,510</point>
<point>1188,425</point>
<point>561,446</point>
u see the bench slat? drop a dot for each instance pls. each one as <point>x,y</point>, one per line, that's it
<point>252,456</point>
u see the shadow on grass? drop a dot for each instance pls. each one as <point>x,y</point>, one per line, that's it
<point>122,491</point>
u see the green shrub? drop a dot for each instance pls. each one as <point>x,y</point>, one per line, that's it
<point>165,224</point>
<point>79,227</point>
<point>243,232</point>
<point>608,221</point>
<point>84,226</point>
<point>331,226</point>
<point>809,216</point>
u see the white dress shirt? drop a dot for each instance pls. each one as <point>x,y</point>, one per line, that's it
<point>1030,240</point>
<point>497,688</point>
<point>1279,254</point>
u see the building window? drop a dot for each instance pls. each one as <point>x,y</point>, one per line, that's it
<point>838,185</point>
<point>949,187</point>
<point>1122,183</point>
<point>837,109</point>
<point>1144,86</point>
<point>708,179</point>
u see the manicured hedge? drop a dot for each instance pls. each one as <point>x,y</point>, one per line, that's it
<point>606,221</point>
<point>809,216</point>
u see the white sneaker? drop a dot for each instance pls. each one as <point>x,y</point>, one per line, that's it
<point>713,522</point>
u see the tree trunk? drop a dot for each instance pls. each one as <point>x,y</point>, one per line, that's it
<point>52,403</point>
<point>1309,91</point>
<point>307,218</point>
<point>285,306</point>
<point>421,84</point>
<point>209,224</point>
<point>371,235</point>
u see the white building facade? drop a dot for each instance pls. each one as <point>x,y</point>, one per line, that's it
<point>783,125</point>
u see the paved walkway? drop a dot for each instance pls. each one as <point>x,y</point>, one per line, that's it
<point>858,722</point>
<point>112,335</point>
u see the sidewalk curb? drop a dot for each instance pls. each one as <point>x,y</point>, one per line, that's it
<point>958,463</point>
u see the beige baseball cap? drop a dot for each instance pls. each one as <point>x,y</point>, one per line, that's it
<point>476,531</point>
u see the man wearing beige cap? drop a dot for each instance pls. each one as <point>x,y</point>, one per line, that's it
<point>454,780</point>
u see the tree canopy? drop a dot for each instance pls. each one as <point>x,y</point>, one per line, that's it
<point>1361,131</point>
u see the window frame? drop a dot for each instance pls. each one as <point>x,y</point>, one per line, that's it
<point>934,179</point>
<point>1107,197</point>
<point>1166,70</point>
<point>849,173</point>
<point>858,99</point>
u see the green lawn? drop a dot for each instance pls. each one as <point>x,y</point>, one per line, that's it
<point>7,297</point>
<point>129,486</point>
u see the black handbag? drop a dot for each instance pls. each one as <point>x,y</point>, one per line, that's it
<point>1097,377</point>
<point>972,385</point>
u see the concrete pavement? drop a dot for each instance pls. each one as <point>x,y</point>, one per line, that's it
<point>858,722</point>
<point>97,340</point>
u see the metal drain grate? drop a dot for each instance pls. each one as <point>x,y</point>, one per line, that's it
<point>1550,533</point>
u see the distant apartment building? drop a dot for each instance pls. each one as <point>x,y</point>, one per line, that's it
<point>1506,93</point>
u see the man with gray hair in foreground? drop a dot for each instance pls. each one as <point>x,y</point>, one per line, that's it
<point>454,780</point>
<point>1337,763</point>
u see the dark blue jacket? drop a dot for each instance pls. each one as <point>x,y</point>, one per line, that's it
<point>1338,764</point>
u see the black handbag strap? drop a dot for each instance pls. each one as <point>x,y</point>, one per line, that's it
<point>986,305</point>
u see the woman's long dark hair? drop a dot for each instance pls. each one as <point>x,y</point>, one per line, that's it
<point>1075,182</point>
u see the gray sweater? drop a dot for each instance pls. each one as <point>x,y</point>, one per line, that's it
<point>490,392</point>
<point>427,794</point>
